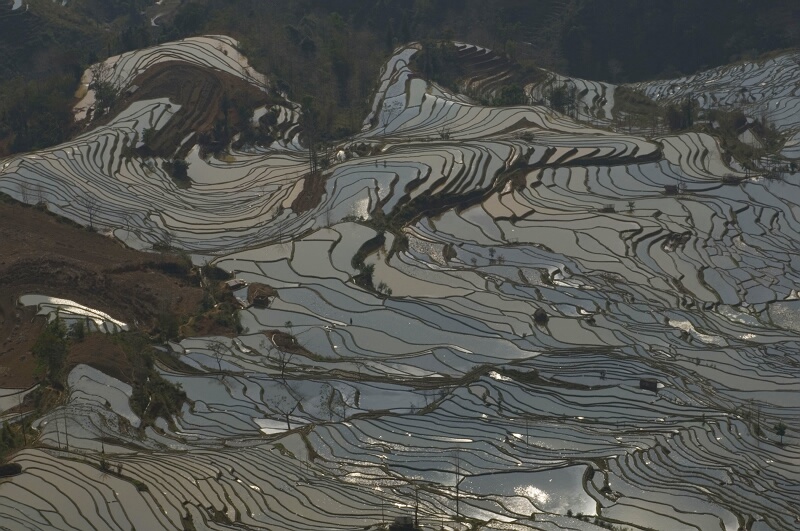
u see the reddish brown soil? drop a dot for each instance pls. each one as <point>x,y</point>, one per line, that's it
<point>104,354</point>
<point>201,93</point>
<point>43,254</point>
<point>40,253</point>
<point>311,194</point>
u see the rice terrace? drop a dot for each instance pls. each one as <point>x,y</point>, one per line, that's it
<point>520,300</point>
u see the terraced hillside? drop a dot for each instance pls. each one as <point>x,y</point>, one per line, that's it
<point>764,90</point>
<point>460,317</point>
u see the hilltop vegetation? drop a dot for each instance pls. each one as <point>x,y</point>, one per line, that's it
<point>326,52</point>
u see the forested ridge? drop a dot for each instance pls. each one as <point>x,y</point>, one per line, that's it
<point>327,53</point>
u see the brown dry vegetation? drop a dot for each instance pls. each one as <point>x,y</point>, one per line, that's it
<point>207,98</point>
<point>311,194</point>
<point>47,255</point>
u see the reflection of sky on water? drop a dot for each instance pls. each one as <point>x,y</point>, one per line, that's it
<point>686,326</point>
<point>786,314</point>
<point>536,494</point>
<point>557,490</point>
<point>72,312</point>
<point>448,317</point>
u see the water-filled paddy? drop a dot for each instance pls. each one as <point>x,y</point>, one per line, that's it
<point>450,379</point>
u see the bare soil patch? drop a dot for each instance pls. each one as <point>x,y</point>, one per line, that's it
<point>208,98</point>
<point>311,194</point>
<point>41,253</point>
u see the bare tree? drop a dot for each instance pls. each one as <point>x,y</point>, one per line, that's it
<point>58,432</point>
<point>41,199</point>
<point>309,120</point>
<point>280,358</point>
<point>127,221</point>
<point>89,203</point>
<point>388,113</point>
<point>458,482</point>
<point>343,400</point>
<point>326,400</point>
<point>218,350</point>
<point>24,422</point>
<point>66,426</point>
<point>23,191</point>
<point>286,404</point>
<point>167,241</point>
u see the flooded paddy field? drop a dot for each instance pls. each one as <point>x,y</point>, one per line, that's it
<point>443,383</point>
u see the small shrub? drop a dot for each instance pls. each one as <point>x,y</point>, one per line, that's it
<point>168,326</point>
<point>215,273</point>
<point>10,469</point>
<point>50,350</point>
<point>178,169</point>
<point>511,95</point>
<point>148,136</point>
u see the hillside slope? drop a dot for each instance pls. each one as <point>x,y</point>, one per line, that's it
<point>507,317</point>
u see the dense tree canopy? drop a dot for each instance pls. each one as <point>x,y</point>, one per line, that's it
<point>331,50</point>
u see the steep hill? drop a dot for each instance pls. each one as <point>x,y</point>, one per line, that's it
<point>326,52</point>
<point>481,310</point>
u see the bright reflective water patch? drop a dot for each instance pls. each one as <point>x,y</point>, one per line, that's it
<point>71,312</point>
